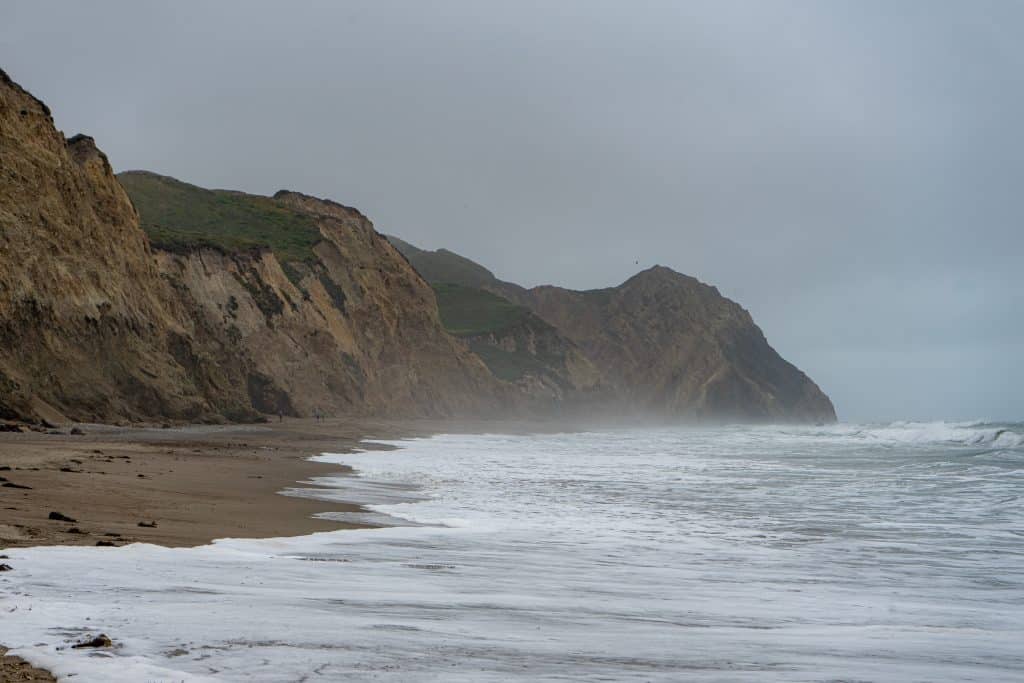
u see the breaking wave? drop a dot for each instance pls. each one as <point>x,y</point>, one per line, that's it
<point>973,433</point>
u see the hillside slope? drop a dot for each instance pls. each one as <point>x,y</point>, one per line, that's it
<point>515,343</point>
<point>664,343</point>
<point>517,346</point>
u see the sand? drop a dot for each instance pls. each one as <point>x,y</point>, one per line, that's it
<point>182,486</point>
<point>186,486</point>
<point>17,669</point>
<point>193,483</point>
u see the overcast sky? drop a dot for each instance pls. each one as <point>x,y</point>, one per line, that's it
<point>850,172</point>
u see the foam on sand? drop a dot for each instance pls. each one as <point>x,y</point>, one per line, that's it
<point>863,552</point>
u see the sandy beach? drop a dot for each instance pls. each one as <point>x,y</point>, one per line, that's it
<point>175,487</point>
<point>180,486</point>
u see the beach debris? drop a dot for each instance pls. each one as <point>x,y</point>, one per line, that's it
<point>74,530</point>
<point>56,516</point>
<point>102,640</point>
<point>106,544</point>
<point>112,535</point>
<point>69,469</point>
<point>5,567</point>
<point>150,525</point>
<point>12,485</point>
<point>76,431</point>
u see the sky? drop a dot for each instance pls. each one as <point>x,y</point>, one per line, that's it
<point>850,172</point>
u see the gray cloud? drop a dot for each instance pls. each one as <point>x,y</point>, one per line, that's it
<point>849,171</point>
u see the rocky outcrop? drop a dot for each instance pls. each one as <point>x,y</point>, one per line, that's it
<point>663,343</point>
<point>672,345</point>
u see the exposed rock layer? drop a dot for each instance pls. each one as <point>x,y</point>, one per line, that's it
<point>88,327</point>
<point>665,344</point>
<point>547,368</point>
<point>356,332</point>
<point>95,325</point>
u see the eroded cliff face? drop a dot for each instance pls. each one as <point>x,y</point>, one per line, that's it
<point>662,343</point>
<point>95,325</point>
<point>672,345</point>
<point>294,304</point>
<point>548,369</point>
<point>353,331</point>
<point>88,328</point>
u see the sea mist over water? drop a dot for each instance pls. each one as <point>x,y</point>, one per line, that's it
<point>854,552</point>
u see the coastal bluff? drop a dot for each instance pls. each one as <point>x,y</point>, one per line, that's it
<point>140,297</point>
<point>97,324</point>
<point>662,344</point>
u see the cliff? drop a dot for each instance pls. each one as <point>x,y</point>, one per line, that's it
<point>88,327</point>
<point>250,304</point>
<point>138,296</point>
<point>517,346</point>
<point>328,314</point>
<point>663,343</point>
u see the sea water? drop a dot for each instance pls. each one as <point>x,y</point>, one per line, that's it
<point>842,553</point>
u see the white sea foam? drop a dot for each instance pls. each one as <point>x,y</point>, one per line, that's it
<point>853,552</point>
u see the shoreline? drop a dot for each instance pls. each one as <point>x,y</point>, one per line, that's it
<point>197,483</point>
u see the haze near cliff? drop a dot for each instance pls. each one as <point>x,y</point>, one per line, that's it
<point>848,171</point>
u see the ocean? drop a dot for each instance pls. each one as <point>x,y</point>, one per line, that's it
<point>842,553</point>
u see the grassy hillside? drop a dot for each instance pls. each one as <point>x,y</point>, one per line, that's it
<point>472,313</point>
<point>179,216</point>
<point>510,365</point>
<point>444,266</point>
<point>466,311</point>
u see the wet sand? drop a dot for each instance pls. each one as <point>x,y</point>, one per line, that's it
<point>186,486</point>
<point>17,669</point>
<point>181,486</point>
<point>193,483</point>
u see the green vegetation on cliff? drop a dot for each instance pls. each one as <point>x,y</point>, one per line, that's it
<point>443,265</point>
<point>179,217</point>
<point>466,311</point>
<point>510,365</point>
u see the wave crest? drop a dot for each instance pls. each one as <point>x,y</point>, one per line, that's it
<point>974,433</point>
